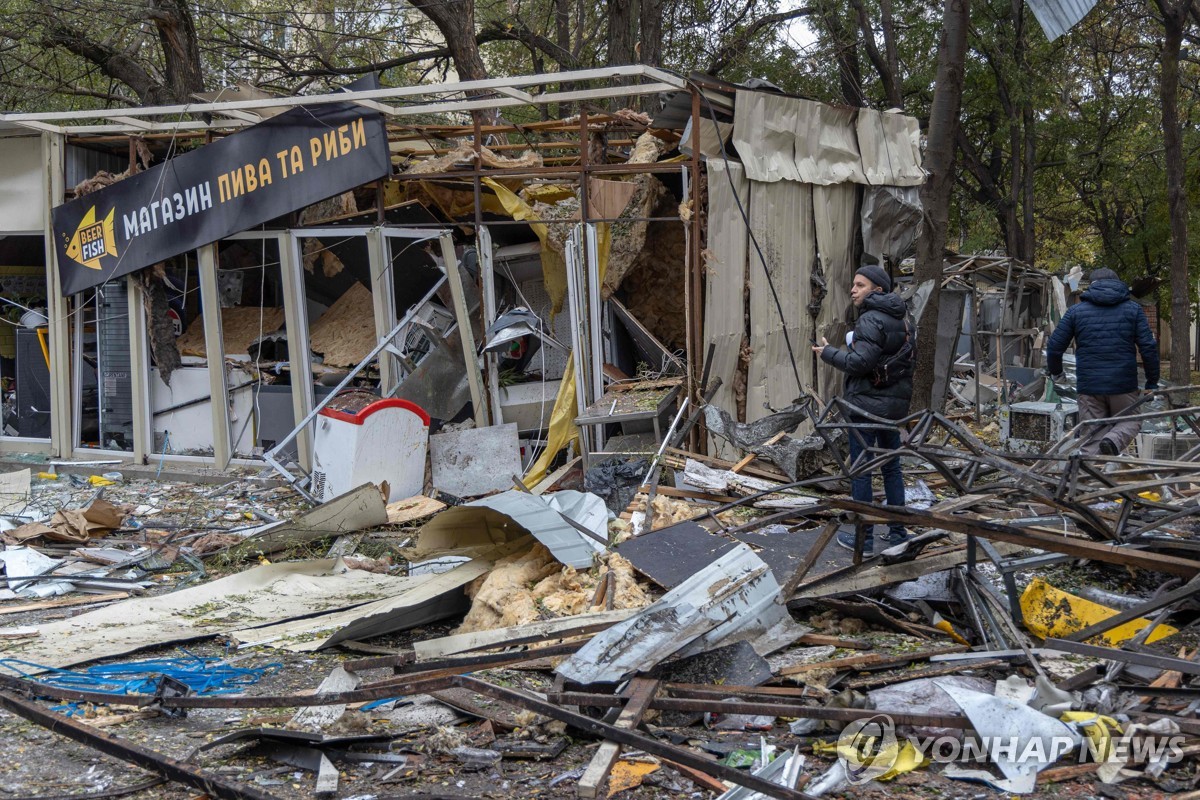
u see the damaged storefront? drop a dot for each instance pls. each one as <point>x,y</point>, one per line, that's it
<point>491,273</point>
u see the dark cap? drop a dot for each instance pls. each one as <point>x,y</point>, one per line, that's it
<point>876,275</point>
<point>1103,274</point>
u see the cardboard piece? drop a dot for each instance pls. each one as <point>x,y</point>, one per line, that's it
<point>77,526</point>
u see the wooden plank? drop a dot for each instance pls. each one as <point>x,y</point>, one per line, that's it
<point>548,630</point>
<point>327,777</point>
<point>750,457</point>
<point>671,491</point>
<point>864,578</point>
<point>64,602</point>
<point>548,482</point>
<point>821,640</point>
<point>640,692</point>
<point>872,660</point>
<point>720,463</point>
<point>810,559</point>
<point>413,508</point>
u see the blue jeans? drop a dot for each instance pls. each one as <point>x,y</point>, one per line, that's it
<point>893,480</point>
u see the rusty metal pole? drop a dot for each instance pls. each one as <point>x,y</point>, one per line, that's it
<point>215,786</point>
<point>693,285</point>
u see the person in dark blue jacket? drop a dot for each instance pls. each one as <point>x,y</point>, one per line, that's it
<point>880,331</point>
<point>1108,329</point>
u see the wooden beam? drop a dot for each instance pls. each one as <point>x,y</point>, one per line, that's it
<point>639,692</point>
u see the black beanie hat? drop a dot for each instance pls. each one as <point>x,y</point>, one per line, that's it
<point>876,275</point>
<point>1103,274</point>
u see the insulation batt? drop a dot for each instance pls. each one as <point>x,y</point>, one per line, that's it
<point>531,586</point>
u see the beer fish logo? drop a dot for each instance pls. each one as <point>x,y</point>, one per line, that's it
<point>92,240</point>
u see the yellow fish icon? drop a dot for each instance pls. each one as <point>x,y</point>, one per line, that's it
<point>93,240</point>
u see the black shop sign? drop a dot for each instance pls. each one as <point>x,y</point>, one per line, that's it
<point>260,173</point>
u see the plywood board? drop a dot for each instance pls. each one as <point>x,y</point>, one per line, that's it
<point>240,325</point>
<point>346,332</point>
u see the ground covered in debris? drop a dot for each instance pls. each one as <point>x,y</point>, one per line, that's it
<point>675,639</point>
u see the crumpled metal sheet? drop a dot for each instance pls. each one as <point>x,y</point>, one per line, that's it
<point>891,220</point>
<point>890,145</point>
<point>788,138</point>
<point>1001,719</point>
<point>484,523</point>
<point>736,598</point>
<point>796,456</point>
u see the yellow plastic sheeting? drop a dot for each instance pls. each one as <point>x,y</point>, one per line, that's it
<point>1099,731</point>
<point>548,193</point>
<point>628,775</point>
<point>562,419</point>
<point>901,755</point>
<point>1053,613</point>
<point>554,268</point>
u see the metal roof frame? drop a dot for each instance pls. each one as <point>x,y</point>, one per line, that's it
<point>234,114</point>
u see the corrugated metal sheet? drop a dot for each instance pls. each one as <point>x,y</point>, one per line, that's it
<point>781,215</point>
<point>834,209</point>
<point>490,521</point>
<point>733,599</point>
<point>890,146</point>
<point>787,138</point>
<point>1058,16</point>
<point>826,144</point>
<point>725,282</point>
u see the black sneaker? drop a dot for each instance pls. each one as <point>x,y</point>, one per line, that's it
<point>1108,447</point>
<point>846,540</point>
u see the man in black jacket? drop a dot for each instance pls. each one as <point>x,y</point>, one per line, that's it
<point>1108,329</point>
<point>880,332</point>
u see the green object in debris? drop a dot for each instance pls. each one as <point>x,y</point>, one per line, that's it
<point>741,759</point>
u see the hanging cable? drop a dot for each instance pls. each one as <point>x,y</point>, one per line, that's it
<point>762,259</point>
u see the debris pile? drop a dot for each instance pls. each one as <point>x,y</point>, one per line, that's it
<point>1038,627</point>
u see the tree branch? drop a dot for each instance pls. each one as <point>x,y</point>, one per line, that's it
<point>725,53</point>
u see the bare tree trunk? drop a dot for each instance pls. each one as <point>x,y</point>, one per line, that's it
<point>620,32</point>
<point>845,43</point>
<point>180,46</point>
<point>1027,204</point>
<point>935,193</point>
<point>455,19</point>
<point>650,48</point>
<point>886,64</point>
<point>1174,20</point>
<point>562,37</point>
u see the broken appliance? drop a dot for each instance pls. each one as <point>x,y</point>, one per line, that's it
<point>1032,426</point>
<point>362,438</point>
